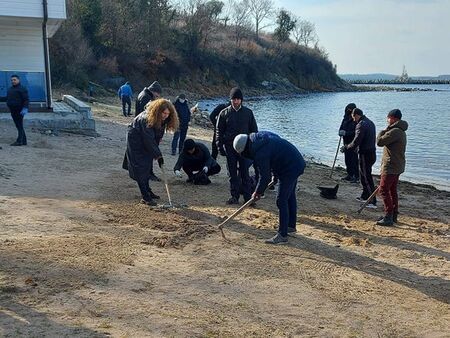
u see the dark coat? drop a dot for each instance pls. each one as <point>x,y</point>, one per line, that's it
<point>199,159</point>
<point>17,97</point>
<point>364,140</point>
<point>348,125</point>
<point>142,148</point>
<point>272,154</point>
<point>144,97</point>
<point>216,111</point>
<point>231,123</point>
<point>393,139</point>
<point>183,112</point>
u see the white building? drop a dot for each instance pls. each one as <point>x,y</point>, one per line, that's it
<point>25,27</point>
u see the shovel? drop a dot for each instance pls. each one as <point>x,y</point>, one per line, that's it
<point>335,157</point>
<point>238,211</point>
<point>170,205</point>
<point>368,200</point>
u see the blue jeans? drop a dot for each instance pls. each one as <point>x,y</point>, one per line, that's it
<point>178,138</point>
<point>287,204</point>
<point>126,101</point>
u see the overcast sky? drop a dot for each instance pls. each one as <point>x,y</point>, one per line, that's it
<point>380,36</point>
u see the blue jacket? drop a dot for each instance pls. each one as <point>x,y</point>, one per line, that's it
<point>125,90</point>
<point>273,154</point>
<point>184,113</point>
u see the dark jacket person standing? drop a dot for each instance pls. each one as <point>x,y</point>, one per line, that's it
<point>147,95</point>
<point>213,117</point>
<point>232,121</point>
<point>17,101</point>
<point>364,144</point>
<point>347,132</point>
<point>195,156</point>
<point>273,155</point>
<point>184,116</point>
<point>142,144</point>
<point>393,141</point>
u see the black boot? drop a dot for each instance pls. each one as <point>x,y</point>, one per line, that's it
<point>153,195</point>
<point>394,217</point>
<point>387,220</point>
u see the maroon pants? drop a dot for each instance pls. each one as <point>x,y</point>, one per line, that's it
<point>388,191</point>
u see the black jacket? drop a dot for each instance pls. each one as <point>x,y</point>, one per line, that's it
<point>144,97</point>
<point>231,123</point>
<point>199,159</point>
<point>216,111</point>
<point>17,97</point>
<point>142,148</point>
<point>348,125</point>
<point>365,136</point>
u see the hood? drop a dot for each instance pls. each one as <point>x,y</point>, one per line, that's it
<point>260,139</point>
<point>401,124</point>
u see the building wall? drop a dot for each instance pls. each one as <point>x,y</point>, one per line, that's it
<point>32,8</point>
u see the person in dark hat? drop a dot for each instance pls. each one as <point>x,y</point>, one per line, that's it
<point>364,144</point>
<point>147,95</point>
<point>232,121</point>
<point>347,132</point>
<point>184,116</point>
<point>273,155</point>
<point>195,157</point>
<point>393,141</point>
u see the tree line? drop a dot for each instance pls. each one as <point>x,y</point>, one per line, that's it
<point>185,42</point>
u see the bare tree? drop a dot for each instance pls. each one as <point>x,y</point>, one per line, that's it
<point>260,10</point>
<point>239,15</point>
<point>304,33</point>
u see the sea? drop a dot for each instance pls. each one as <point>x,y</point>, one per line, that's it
<point>311,122</point>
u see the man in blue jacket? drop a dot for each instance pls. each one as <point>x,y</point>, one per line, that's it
<point>125,95</point>
<point>17,101</point>
<point>364,144</point>
<point>184,116</point>
<point>273,155</point>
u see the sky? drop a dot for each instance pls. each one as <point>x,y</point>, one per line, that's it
<point>380,36</point>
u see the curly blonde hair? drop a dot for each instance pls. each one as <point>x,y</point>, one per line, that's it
<point>154,115</point>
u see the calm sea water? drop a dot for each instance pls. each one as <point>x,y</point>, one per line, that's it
<point>311,122</point>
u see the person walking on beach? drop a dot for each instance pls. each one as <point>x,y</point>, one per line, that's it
<point>125,95</point>
<point>195,156</point>
<point>347,132</point>
<point>17,101</point>
<point>143,144</point>
<point>273,155</point>
<point>364,144</point>
<point>184,116</point>
<point>232,121</point>
<point>393,141</point>
<point>213,117</point>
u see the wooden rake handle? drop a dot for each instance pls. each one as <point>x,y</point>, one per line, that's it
<point>368,200</point>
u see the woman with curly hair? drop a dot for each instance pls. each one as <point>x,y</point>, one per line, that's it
<point>144,135</point>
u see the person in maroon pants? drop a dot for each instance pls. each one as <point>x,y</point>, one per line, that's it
<point>393,141</point>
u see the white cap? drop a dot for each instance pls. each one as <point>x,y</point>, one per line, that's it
<point>240,142</point>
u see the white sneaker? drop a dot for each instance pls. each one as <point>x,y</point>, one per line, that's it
<point>371,206</point>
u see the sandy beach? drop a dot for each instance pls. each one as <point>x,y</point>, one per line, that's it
<point>80,257</point>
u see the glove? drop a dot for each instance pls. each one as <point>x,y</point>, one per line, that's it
<point>205,169</point>
<point>222,151</point>
<point>256,196</point>
<point>341,132</point>
<point>24,111</point>
<point>343,149</point>
<point>160,161</point>
<point>178,173</point>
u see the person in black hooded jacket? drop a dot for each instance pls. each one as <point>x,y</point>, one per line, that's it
<point>347,132</point>
<point>17,101</point>
<point>213,117</point>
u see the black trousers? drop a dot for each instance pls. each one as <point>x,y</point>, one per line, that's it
<point>366,161</point>
<point>214,149</point>
<point>238,170</point>
<point>126,101</point>
<point>351,162</point>
<point>189,169</point>
<point>144,187</point>
<point>18,121</point>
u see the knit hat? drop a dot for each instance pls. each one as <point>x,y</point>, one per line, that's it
<point>155,87</point>
<point>239,143</point>
<point>395,113</point>
<point>350,107</point>
<point>182,97</point>
<point>236,93</point>
<point>189,144</point>
<point>357,111</point>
